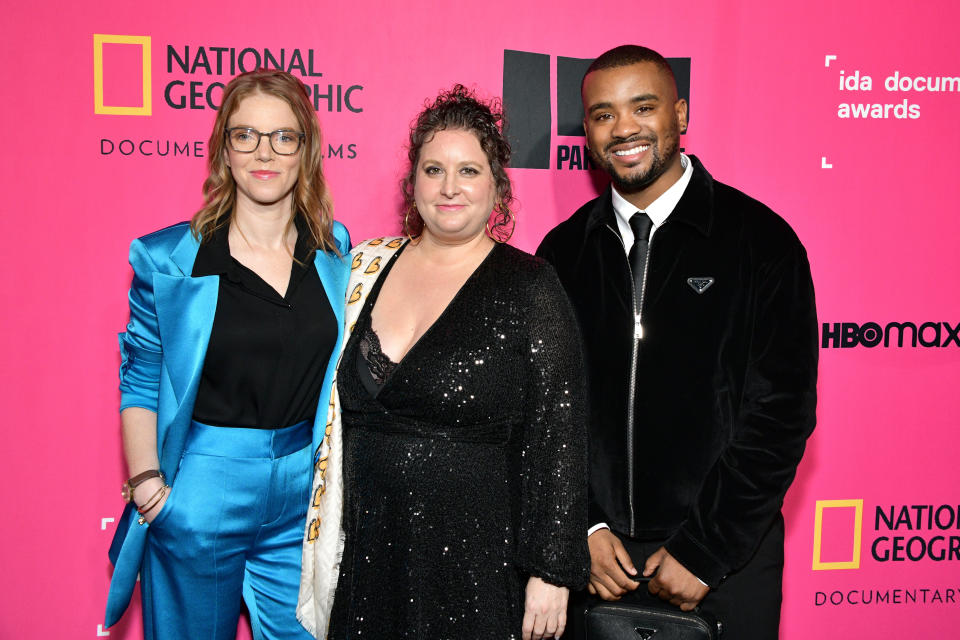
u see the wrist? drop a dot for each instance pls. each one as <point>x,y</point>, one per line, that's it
<point>129,488</point>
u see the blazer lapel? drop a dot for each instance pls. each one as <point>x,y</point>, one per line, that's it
<point>334,272</point>
<point>334,275</point>
<point>185,310</point>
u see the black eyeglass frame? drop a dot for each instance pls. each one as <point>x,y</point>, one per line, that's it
<point>301,137</point>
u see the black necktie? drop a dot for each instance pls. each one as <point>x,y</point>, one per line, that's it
<point>640,223</point>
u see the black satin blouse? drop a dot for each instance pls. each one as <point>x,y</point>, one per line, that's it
<point>267,353</point>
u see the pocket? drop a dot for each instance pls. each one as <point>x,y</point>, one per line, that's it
<point>167,507</point>
<point>187,528</point>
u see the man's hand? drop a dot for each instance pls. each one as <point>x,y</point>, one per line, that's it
<point>673,582</point>
<point>607,556</point>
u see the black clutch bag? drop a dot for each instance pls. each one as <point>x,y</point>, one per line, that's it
<point>648,618</point>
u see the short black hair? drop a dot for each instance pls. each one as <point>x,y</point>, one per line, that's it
<point>626,55</point>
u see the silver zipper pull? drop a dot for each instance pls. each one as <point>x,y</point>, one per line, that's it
<point>637,327</point>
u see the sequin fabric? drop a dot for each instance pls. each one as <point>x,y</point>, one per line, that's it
<point>466,472</point>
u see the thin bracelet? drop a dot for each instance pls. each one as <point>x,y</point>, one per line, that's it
<point>143,519</point>
<point>153,501</point>
<point>156,502</point>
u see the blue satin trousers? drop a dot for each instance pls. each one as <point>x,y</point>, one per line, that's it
<point>230,530</point>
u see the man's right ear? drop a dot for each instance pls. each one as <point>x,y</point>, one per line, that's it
<point>680,107</point>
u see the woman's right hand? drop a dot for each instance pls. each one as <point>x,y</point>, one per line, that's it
<point>144,494</point>
<point>545,611</point>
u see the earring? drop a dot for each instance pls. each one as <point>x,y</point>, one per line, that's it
<point>406,222</point>
<point>503,218</point>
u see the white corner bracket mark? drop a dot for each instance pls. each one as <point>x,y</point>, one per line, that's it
<point>824,164</point>
<point>828,59</point>
<point>100,632</point>
<point>104,522</point>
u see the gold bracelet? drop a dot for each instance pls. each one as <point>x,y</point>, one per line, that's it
<point>153,501</point>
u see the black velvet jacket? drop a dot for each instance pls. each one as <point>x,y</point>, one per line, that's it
<point>725,379</point>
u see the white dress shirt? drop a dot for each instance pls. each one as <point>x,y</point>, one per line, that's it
<point>659,210</point>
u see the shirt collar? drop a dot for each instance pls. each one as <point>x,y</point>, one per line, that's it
<point>214,259</point>
<point>661,208</point>
<point>300,250</point>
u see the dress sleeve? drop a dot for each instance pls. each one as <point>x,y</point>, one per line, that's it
<point>595,513</point>
<point>744,490</point>
<point>140,352</point>
<point>551,538</point>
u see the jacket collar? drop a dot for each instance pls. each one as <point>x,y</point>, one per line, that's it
<point>694,209</point>
<point>185,253</point>
<point>602,213</point>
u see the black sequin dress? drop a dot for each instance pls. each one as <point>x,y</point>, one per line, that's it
<point>466,470</point>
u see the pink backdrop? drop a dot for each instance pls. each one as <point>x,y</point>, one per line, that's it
<point>873,199</point>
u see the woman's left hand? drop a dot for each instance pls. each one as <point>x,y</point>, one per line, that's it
<point>545,611</point>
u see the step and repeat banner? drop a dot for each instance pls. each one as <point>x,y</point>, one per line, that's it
<point>841,116</point>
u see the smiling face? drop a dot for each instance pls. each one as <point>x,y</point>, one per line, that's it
<point>264,178</point>
<point>633,121</point>
<point>454,187</point>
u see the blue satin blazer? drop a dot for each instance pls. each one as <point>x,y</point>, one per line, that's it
<point>162,354</point>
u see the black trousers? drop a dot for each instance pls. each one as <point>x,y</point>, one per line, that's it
<point>747,602</point>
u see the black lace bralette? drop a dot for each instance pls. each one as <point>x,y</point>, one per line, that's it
<point>378,363</point>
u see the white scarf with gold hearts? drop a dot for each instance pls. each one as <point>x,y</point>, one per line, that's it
<point>323,539</point>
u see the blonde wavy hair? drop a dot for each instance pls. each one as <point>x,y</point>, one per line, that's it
<point>311,198</point>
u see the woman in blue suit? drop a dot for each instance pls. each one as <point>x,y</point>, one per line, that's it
<point>236,320</point>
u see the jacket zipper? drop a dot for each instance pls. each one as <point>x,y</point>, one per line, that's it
<point>631,392</point>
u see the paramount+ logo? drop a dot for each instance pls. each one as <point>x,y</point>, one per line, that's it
<point>528,101</point>
<point>847,335</point>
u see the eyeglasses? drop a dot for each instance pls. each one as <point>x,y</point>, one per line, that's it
<point>246,140</point>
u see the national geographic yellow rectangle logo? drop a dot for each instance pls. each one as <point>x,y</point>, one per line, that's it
<point>854,562</point>
<point>100,39</point>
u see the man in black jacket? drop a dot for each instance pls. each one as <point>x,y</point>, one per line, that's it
<point>698,317</point>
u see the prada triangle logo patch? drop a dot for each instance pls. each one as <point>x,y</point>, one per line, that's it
<point>700,284</point>
<point>645,633</point>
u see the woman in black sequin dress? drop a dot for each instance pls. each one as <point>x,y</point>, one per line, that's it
<point>462,401</point>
